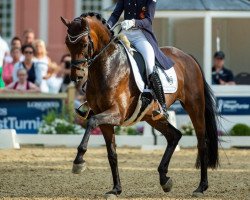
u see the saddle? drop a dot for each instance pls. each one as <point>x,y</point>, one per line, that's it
<point>141,64</point>
<point>147,97</point>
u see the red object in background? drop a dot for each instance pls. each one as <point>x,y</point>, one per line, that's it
<point>96,131</point>
<point>27,16</point>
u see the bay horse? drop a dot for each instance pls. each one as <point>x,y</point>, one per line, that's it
<point>112,94</point>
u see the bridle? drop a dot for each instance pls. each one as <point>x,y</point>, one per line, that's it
<point>75,39</point>
<point>89,59</point>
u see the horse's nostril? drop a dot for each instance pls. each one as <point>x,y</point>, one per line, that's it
<point>78,79</point>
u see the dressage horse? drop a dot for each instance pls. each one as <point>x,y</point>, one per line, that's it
<point>112,94</point>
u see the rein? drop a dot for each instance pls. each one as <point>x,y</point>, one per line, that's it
<point>75,63</point>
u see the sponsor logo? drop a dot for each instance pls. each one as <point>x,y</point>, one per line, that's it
<point>42,106</point>
<point>14,123</point>
<point>232,106</point>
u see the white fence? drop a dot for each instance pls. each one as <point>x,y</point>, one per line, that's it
<point>9,139</point>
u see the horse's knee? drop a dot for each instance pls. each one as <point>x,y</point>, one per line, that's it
<point>175,135</point>
<point>92,123</point>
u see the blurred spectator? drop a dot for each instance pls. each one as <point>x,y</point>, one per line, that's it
<point>22,85</point>
<point>28,37</point>
<point>15,43</point>
<point>40,51</point>
<point>9,67</point>
<point>54,78</point>
<point>220,74</point>
<point>4,50</point>
<point>33,69</point>
<point>43,61</point>
<point>65,65</point>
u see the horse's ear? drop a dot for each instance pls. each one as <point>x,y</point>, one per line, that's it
<point>65,21</point>
<point>84,22</point>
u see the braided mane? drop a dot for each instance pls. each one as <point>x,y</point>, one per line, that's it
<point>99,17</point>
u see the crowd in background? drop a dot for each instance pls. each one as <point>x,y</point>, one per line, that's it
<point>26,67</point>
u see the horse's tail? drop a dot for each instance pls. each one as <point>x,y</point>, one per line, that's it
<point>211,126</point>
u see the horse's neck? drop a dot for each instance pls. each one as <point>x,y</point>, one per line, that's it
<point>101,41</point>
<point>111,68</point>
<point>108,65</point>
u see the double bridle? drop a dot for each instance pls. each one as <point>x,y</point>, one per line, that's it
<point>89,59</point>
<point>75,39</point>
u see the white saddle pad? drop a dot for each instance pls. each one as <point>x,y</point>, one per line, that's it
<point>168,87</point>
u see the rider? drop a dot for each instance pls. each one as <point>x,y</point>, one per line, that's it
<point>137,26</point>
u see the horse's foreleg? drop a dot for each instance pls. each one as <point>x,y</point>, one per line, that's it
<point>109,136</point>
<point>173,136</point>
<point>79,164</point>
<point>108,120</point>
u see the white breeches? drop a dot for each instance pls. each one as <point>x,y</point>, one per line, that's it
<point>138,39</point>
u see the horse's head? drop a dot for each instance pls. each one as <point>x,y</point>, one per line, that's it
<point>85,35</point>
<point>80,46</point>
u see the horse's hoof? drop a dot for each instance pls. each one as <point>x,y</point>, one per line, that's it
<point>197,194</point>
<point>110,196</point>
<point>78,168</point>
<point>168,186</point>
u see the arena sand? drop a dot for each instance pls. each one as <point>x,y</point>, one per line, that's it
<point>45,173</point>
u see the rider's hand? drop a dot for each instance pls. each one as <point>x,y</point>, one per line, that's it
<point>128,24</point>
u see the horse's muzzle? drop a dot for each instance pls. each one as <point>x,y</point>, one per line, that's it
<point>78,74</point>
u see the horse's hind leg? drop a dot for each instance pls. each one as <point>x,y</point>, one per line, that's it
<point>109,136</point>
<point>197,115</point>
<point>173,136</point>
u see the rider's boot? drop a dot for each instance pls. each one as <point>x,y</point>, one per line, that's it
<point>156,85</point>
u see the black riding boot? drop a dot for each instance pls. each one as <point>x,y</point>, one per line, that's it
<point>156,85</point>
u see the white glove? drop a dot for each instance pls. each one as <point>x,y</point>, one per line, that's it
<point>128,24</point>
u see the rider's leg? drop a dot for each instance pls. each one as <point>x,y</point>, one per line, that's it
<point>144,47</point>
<point>158,90</point>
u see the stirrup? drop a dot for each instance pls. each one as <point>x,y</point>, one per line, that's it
<point>159,113</point>
<point>83,114</point>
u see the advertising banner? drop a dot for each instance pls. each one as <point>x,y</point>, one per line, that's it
<point>25,116</point>
<point>225,106</point>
